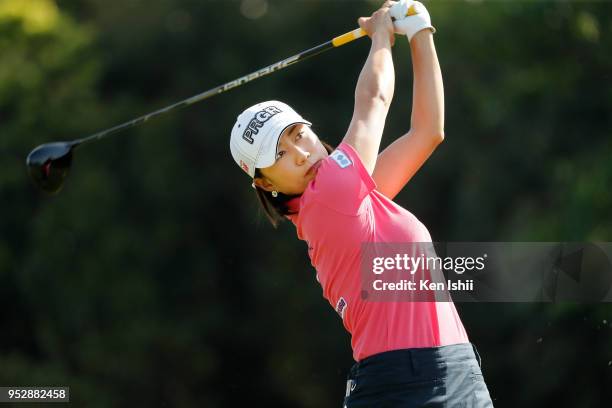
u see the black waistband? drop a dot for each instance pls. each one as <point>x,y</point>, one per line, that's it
<point>416,360</point>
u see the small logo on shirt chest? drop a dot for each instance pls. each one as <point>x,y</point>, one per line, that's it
<point>341,159</point>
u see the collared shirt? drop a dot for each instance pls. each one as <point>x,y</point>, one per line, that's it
<point>339,211</point>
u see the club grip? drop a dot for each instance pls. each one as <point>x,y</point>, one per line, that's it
<point>359,32</point>
<point>348,37</point>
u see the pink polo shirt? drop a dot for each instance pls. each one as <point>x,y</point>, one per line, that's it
<point>339,211</point>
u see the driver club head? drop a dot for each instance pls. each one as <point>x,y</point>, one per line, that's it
<point>49,164</point>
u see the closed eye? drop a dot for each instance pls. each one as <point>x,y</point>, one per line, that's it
<point>298,136</point>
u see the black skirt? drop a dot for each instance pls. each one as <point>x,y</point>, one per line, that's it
<point>435,377</point>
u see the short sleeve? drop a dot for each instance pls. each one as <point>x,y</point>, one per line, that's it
<point>342,182</point>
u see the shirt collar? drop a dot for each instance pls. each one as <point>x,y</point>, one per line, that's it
<point>294,204</point>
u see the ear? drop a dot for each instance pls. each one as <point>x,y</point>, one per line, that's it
<point>263,183</point>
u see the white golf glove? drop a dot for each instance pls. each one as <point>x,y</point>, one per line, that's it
<point>410,17</point>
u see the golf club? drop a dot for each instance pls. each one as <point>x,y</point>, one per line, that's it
<point>49,164</point>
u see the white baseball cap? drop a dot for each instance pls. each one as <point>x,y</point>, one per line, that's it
<point>255,135</point>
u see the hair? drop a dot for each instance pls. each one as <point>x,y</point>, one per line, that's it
<point>276,208</point>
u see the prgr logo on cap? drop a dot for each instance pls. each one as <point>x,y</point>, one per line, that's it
<point>258,121</point>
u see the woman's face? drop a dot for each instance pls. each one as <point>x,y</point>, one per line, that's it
<point>297,161</point>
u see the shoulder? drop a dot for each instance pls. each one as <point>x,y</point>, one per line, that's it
<point>342,182</point>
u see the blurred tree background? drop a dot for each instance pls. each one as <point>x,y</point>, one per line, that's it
<point>152,279</point>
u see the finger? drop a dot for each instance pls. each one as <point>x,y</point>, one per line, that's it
<point>362,21</point>
<point>387,4</point>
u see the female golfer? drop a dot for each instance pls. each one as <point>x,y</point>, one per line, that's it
<point>409,354</point>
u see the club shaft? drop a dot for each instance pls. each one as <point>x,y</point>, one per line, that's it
<point>334,43</point>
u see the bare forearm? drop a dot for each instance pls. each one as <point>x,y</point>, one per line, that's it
<point>428,90</point>
<point>374,89</point>
<point>377,78</point>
